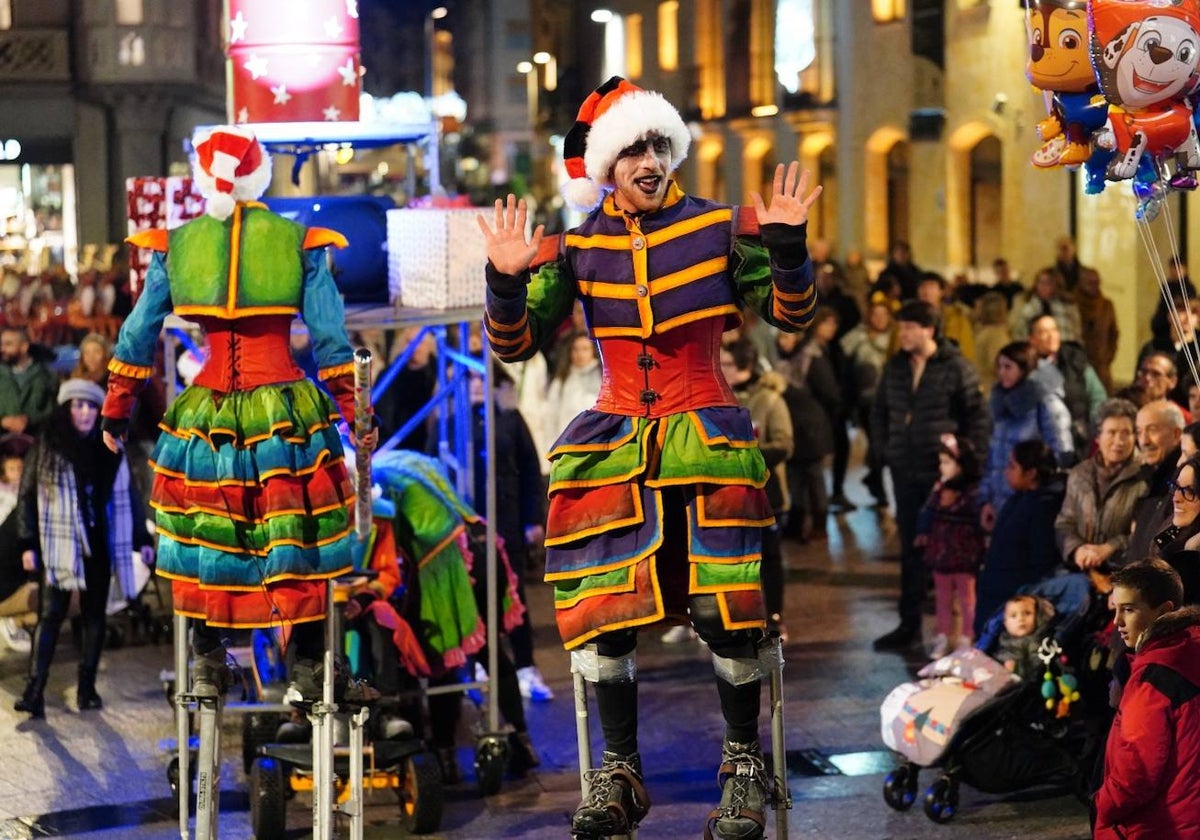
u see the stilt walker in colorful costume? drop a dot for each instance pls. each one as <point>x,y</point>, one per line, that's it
<point>251,495</point>
<point>656,494</point>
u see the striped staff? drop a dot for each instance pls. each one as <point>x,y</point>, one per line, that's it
<point>362,455</point>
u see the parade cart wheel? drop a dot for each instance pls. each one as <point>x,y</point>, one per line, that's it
<point>174,781</point>
<point>268,802</point>
<point>900,787</point>
<point>258,728</point>
<point>491,760</point>
<point>420,794</point>
<point>941,800</point>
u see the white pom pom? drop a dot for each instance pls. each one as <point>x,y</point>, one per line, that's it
<point>582,193</point>
<point>220,205</point>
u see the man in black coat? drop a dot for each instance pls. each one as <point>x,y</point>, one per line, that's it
<point>928,390</point>
<point>1159,427</point>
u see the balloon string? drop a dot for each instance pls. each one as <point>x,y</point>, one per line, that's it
<point>1156,263</point>
<point>1190,351</point>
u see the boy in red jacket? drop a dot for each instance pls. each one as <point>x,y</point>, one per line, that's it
<point>1152,760</point>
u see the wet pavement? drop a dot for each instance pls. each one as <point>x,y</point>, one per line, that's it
<point>102,775</point>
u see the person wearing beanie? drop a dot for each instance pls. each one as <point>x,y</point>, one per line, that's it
<point>927,390</point>
<point>252,501</point>
<point>656,494</point>
<point>79,522</point>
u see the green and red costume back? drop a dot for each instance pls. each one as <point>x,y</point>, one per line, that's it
<point>658,291</point>
<point>252,499</point>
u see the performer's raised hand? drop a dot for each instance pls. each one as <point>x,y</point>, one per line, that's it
<point>790,197</point>
<point>508,248</point>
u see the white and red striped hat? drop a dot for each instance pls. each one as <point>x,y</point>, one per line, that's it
<point>231,166</point>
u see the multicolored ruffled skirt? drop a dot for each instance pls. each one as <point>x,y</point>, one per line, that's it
<point>619,555</point>
<point>253,504</point>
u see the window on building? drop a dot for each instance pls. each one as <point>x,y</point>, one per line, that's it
<point>987,220</point>
<point>129,12</point>
<point>886,11</point>
<point>633,46</point>
<point>795,41</point>
<point>668,35</point>
<point>5,14</point>
<point>710,60</point>
<point>131,51</point>
<point>762,53</point>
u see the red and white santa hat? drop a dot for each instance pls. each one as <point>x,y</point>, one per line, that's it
<point>230,166</point>
<point>614,116</point>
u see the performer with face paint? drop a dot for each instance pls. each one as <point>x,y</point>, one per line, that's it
<point>656,493</point>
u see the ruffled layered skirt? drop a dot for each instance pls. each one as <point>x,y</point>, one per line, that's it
<point>620,551</point>
<point>253,504</point>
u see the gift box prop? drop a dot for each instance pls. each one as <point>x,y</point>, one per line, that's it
<point>292,62</point>
<point>436,257</point>
<point>360,270</point>
<point>153,202</point>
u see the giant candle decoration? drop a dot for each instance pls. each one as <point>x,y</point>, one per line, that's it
<point>293,60</point>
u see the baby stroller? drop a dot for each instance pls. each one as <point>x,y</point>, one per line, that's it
<point>981,725</point>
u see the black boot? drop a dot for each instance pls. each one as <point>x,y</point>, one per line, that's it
<point>32,701</point>
<point>743,779</point>
<point>616,800</point>
<point>85,695</point>
<point>45,639</point>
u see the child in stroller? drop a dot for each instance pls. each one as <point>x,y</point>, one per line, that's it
<point>987,726</point>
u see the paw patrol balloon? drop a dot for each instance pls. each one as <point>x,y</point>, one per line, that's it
<point>1060,64</point>
<point>1147,60</point>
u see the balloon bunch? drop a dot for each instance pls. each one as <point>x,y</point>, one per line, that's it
<point>1120,78</point>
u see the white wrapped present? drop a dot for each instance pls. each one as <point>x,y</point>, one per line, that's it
<point>436,258</point>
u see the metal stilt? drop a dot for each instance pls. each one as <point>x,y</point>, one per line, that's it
<point>208,756</point>
<point>322,732</point>
<point>771,655</point>
<point>583,735</point>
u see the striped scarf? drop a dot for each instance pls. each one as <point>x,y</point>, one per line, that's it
<point>63,537</point>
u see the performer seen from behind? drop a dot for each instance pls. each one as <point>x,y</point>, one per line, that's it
<point>656,494</point>
<point>251,495</point>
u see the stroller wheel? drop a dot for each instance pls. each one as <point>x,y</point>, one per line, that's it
<point>900,787</point>
<point>941,800</point>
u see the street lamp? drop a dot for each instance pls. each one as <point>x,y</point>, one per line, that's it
<point>550,69</point>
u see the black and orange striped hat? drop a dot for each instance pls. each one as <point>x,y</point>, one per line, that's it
<point>614,116</point>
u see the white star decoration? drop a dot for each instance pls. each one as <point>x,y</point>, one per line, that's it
<point>352,8</point>
<point>237,29</point>
<point>281,94</point>
<point>332,27</point>
<point>349,73</point>
<point>332,114</point>
<point>257,66</point>
<point>243,115</point>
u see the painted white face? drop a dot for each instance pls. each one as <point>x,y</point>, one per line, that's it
<point>1159,64</point>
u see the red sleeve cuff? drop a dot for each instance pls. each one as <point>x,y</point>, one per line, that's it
<point>122,394</point>
<point>342,389</point>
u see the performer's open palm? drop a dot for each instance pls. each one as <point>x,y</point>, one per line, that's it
<point>790,197</point>
<point>508,248</point>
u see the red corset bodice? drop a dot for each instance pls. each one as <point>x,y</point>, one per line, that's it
<point>245,353</point>
<point>679,370</point>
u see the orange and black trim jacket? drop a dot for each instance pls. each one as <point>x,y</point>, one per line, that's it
<point>641,277</point>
